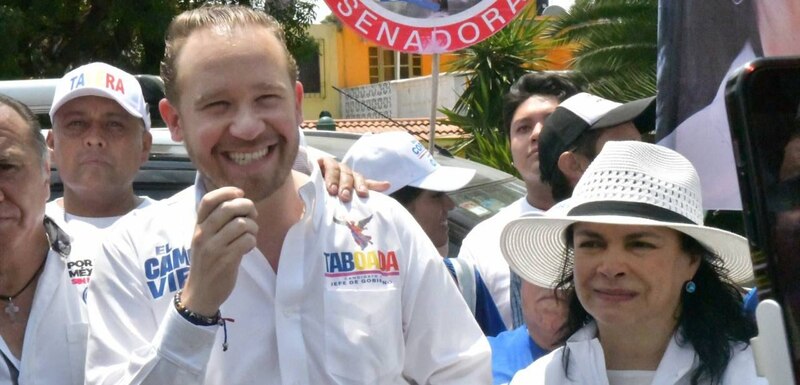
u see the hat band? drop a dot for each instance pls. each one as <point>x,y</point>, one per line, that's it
<point>629,209</point>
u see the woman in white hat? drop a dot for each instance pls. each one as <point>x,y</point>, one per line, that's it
<point>652,292</point>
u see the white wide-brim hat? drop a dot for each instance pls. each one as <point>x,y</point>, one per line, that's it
<point>629,183</point>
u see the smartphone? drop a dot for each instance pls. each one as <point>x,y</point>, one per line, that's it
<point>763,100</point>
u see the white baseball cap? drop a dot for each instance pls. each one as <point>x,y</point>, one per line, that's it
<point>101,79</point>
<point>401,160</point>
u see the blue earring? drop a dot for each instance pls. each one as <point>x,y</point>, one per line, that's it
<point>690,287</point>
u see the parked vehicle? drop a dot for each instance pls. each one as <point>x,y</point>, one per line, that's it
<point>169,169</point>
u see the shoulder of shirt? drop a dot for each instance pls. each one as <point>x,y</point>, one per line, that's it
<point>542,369</point>
<point>157,208</point>
<point>375,202</point>
<point>510,337</point>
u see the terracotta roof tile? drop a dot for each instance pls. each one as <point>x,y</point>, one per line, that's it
<point>419,127</point>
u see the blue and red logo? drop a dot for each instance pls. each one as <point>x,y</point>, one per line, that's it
<point>367,266</point>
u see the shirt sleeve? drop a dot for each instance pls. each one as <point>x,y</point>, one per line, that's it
<point>444,344</point>
<point>130,340</point>
<point>475,248</point>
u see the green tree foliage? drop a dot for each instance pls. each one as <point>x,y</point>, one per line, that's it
<point>492,66</point>
<point>45,38</point>
<point>615,45</point>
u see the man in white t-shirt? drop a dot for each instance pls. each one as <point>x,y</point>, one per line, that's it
<point>100,138</point>
<point>531,100</point>
<point>322,292</point>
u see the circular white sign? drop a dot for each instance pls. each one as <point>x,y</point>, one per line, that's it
<point>426,26</point>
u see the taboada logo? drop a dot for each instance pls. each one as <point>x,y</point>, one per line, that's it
<point>426,26</point>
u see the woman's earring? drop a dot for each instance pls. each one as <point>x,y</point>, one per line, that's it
<point>690,287</point>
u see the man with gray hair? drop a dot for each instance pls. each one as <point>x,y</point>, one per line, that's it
<point>43,321</point>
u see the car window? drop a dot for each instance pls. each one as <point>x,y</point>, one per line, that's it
<point>486,200</point>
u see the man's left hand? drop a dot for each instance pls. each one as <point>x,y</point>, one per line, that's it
<point>340,180</point>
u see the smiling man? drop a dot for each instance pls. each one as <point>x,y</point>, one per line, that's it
<point>255,242</point>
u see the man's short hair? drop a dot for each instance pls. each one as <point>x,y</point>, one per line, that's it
<point>536,84</point>
<point>228,17</point>
<point>585,145</point>
<point>34,129</point>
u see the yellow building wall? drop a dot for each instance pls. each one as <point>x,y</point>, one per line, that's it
<point>354,58</point>
<point>354,63</point>
<point>345,62</point>
<point>328,99</point>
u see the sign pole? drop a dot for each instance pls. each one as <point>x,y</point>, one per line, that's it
<point>434,100</point>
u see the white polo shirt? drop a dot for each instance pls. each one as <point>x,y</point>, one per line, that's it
<point>55,337</point>
<point>361,298</point>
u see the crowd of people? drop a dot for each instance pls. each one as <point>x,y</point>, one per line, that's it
<point>267,271</point>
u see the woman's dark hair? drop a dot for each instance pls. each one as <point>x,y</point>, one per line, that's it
<point>406,195</point>
<point>710,318</point>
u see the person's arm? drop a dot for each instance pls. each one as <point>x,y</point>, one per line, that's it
<point>444,344</point>
<point>133,337</point>
<point>129,343</point>
<point>476,248</point>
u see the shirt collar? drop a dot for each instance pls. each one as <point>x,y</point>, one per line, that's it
<point>677,361</point>
<point>58,239</point>
<point>309,191</point>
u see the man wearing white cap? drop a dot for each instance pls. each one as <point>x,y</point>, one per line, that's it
<point>100,138</point>
<point>577,130</point>
<point>420,184</point>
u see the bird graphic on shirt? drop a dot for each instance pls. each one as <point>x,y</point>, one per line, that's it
<point>357,230</point>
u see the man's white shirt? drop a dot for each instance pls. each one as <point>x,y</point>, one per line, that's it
<point>54,348</point>
<point>361,298</point>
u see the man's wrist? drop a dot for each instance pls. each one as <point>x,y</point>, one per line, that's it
<point>193,317</point>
